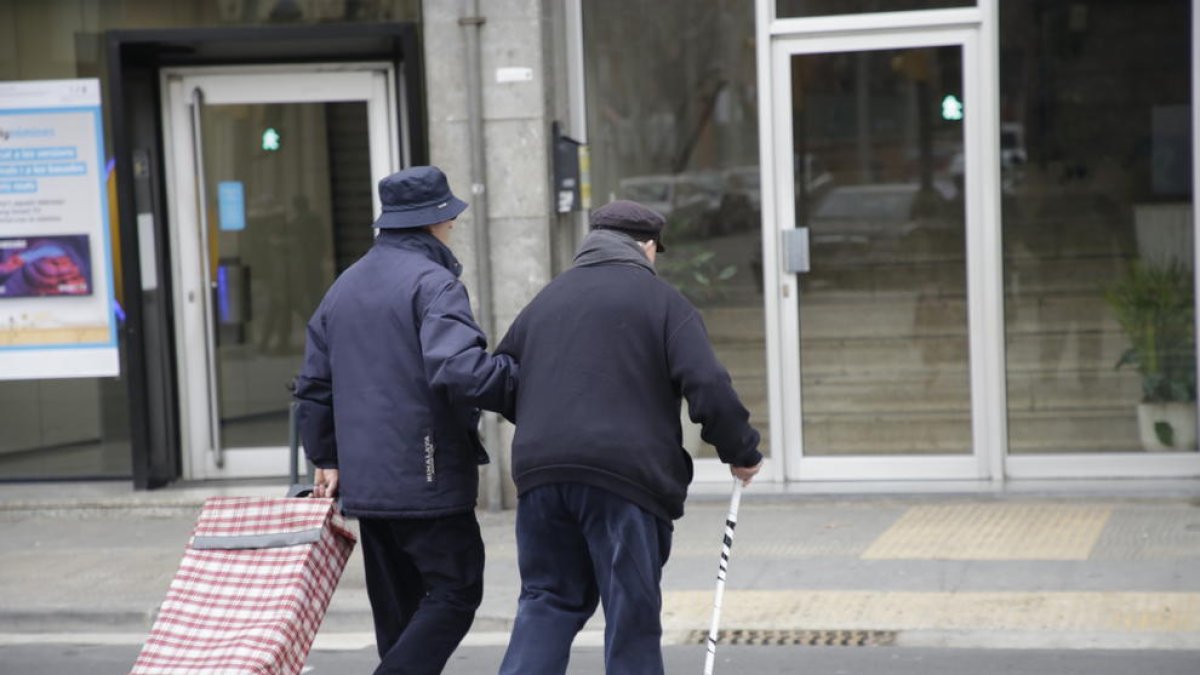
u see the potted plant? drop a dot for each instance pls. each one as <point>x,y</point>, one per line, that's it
<point>1154,304</point>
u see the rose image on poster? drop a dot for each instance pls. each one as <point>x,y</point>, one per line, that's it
<point>45,266</point>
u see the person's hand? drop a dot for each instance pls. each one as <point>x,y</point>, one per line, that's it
<point>325,483</point>
<point>745,473</point>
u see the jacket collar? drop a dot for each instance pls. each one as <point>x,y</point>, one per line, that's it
<point>422,242</point>
<point>602,247</point>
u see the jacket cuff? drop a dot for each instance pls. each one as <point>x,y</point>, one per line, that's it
<point>747,458</point>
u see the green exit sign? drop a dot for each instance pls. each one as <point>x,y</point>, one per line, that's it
<point>270,140</point>
<point>952,108</point>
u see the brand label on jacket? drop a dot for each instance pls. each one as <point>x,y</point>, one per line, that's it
<point>430,469</point>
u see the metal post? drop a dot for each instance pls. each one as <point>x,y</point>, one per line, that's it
<point>472,24</point>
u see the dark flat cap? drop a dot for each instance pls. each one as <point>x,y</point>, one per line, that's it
<point>416,197</point>
<point>631,218</point>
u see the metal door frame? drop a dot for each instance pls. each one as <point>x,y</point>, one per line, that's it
<point>973,29</point>
<point>372,83</point>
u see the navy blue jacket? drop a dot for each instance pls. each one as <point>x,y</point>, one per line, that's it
<point>607,352</point>
<point>394,371</point>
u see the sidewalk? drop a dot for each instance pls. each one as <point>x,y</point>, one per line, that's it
<point>1088,570</point>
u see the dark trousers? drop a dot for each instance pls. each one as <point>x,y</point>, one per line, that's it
<point>424,581</point>
<point>577,545</point>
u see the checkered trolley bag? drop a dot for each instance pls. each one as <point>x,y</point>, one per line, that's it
<point>252,588</point>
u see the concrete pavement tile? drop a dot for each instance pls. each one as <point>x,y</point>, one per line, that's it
<point>785,530</point>
<point>1150,532</point>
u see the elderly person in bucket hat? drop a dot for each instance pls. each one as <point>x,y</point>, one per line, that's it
<point>395,370</point>
<point>607,352</point>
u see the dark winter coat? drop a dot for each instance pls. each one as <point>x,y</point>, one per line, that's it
<point>394,370</point>
<point>607,351</point>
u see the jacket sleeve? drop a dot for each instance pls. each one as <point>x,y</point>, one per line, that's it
<point>712,401</point>
<point>510,347</point>
<point>454,350</point>
<point>314,399</point>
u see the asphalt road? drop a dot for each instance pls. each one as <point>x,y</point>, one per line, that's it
<point>57,659</point>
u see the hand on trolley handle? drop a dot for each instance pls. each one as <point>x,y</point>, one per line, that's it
<point>325,483</point>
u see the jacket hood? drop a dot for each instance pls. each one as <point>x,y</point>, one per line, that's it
<point>601,247</point>
<point>421,241</point>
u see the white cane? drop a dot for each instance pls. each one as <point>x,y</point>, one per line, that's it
<point>730,523</point>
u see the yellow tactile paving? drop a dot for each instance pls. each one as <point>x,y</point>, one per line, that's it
<point>905,610</point>
<point>54,336</point>
<point>992,532</point>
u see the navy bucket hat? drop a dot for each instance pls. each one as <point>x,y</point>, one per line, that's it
<point>416,197</point>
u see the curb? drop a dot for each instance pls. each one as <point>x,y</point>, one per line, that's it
<point>484,636</point>
<point>131,621</point>
<point>86,509</point>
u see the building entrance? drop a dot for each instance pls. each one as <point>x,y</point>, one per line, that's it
<point>881,304</point>
<point>271,175</point>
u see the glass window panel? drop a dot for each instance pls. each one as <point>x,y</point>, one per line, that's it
<point>1098,218</point>
<point>673,126</point>
<point>805,8</point>
<point>60,39</point>
<point>878,143</point>
<point>303,172</point>
<point>64,428</point>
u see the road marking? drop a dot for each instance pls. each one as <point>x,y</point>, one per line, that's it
<point>350,641</point>
<point>93,639</point>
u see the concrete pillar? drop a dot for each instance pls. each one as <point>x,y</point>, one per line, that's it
<point>518,88</point>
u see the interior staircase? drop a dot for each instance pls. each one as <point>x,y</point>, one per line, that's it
<point>884,341</point>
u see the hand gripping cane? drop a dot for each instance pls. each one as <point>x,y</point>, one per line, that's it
<point>730,523</point>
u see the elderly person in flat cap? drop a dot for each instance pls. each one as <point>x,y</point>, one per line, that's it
<point>607,350</point>
<point>395,369</point>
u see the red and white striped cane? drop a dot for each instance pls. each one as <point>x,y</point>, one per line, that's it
<point>727,544</point>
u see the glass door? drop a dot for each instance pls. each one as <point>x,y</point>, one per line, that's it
<point>878,306</point>
<point>273,195</point>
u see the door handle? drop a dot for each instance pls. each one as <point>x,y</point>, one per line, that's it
<point>210,349</point>
<point>795,250</point>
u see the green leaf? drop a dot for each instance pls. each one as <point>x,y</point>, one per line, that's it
<point>1129,358</point>
<point>1178,391</point>
<point>728,272</point>
<point>1154,305</point>
<point>1165,434</point>
<point>701,278</point>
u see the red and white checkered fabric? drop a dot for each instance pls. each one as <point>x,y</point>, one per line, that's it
<point>249,610</point>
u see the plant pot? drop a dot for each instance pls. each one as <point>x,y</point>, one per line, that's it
<point>1166,427</point>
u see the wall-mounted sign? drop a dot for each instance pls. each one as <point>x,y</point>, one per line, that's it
<point>56,275</point>
<point>231,205</point>
<point>568,177</point>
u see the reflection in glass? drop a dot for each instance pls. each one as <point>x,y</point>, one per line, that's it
<point>673,126</point>
<point>805,8</point>
<point>878,151</point>
<point>1098,218</point>
<point>289,186</point>
<point>64,428</point>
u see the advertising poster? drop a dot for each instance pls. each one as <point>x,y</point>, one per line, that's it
<point>57,315</point>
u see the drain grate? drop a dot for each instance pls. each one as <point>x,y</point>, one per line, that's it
<point>814,638</point>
